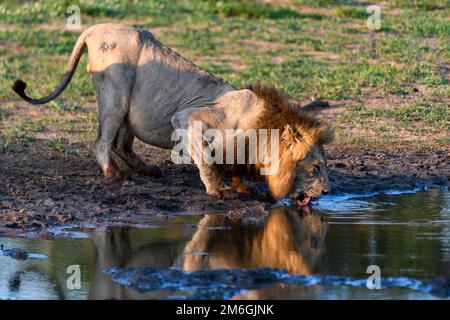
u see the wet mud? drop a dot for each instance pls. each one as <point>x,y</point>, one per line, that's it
<point>43,188</point>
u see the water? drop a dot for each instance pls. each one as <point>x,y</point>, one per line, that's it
<point>321,255</point>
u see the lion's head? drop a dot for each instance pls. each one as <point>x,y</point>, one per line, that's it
<point>302,172</point>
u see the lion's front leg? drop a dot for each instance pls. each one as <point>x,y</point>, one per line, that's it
<point>211,178</point>
<point>238,185</point>
<point>213,181</point>
<point>209,173</point>
<point>199,122</point>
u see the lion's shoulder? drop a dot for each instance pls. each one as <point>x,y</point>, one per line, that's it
<point>272,97</point>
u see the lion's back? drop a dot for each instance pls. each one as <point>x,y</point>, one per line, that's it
<point>112,44</point>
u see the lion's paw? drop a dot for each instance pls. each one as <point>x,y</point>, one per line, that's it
<point>223,193</point>
<point>112,173</point>
<point>228,193</point>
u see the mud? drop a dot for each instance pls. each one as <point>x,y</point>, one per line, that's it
<point>42,188</point>
<point>226,283</point>
<point>15,253</point>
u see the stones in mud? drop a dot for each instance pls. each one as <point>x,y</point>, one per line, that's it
<point>226,283</point>
<point>339,165</point>
<point>48,203</point>
<point>99,211</point>
<point>6,204</point>
<point>440,287</point>
<point>27,219</point>
<point>252,210</point>
<point>208,284</point>
<point>62,217</point>
<point>161,217</point>
<point>15,253</point>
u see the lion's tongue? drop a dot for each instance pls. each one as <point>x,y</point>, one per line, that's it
<point>304,201</point>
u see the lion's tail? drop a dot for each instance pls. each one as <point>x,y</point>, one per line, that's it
<point>19,86</point>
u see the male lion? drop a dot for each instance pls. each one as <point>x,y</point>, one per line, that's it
<point>145,90</point>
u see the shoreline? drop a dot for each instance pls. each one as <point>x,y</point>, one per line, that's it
<point>43,189</point>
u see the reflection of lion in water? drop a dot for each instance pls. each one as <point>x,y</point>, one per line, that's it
<point>287,241</point>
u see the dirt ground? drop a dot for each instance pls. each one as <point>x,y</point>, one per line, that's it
<point>42,188</point>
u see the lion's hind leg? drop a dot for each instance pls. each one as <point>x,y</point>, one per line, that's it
<point>113,93</point>
<point>107,131</point>
<point>123,147</point>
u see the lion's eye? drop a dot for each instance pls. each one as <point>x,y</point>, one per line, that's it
<point>298,136</point>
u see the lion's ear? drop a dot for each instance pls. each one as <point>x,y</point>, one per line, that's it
<point>286,136</point>
<point>291,136</point>
<point>297,142</point>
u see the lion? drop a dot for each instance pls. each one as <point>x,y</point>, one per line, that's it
<point>146,90</point>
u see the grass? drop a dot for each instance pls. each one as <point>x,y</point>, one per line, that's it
<point>306,48</point>
<point>15,136</point>
<point>350,12</point>
<point>428,114</point>
<point>419,121</point>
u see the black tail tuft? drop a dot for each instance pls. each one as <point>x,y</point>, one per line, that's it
<point>19,87</point>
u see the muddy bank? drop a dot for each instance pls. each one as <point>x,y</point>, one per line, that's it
<point>43,188</point>
<point>366,169</point>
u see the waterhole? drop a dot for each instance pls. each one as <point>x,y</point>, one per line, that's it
<point>320,254</point>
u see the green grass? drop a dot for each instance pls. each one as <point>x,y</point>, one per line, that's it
<point>426,113</point>
<point>420,119</point>
<point>421,4</point>
<point>324,51</point>
<point>15,137</point>
<point>420,112</point>
<point>350,12</point>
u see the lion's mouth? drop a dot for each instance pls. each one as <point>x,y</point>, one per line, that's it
<point>302,200</point>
